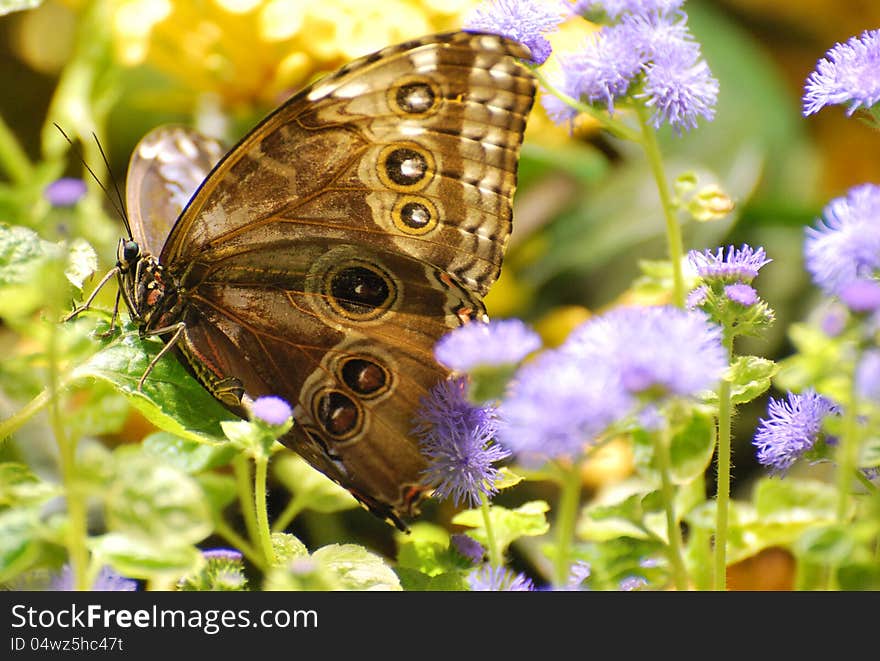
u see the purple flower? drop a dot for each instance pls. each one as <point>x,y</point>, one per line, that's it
<point>861,295</point>
<point>654,351</point>
<point>458,440</point>
<point>615,8</point>
<point>495,344</point>
<point>555,405</point>
<point>65,192</point>
<point>468,547</point>
<point>632,583</point>
<point>792,428</point>
<point>697,297</point>
<point>227,555</point>
<point>653,48</point>
<point>741,293</point>
<point>849,73</point>
<point>107,581</point>
<point>737,265</point>
<point>868,375</point>
<point>845,244</point>
<point>497,579</point>
<point>271,410</point>
<point>833,321</point>
<point>524,21</point>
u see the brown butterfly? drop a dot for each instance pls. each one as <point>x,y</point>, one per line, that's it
<point>322,257</point>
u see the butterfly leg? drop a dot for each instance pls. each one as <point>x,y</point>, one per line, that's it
<point>85,306</point>
<point>178,331</point>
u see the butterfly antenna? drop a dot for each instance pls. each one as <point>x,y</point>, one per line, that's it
<point>117,204</point>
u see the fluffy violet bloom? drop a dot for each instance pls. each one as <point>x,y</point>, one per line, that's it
<point>107,581</point>
<point>458,440</point>
<point>498,343</point>
<point>468,547</point>
<point>556,405</point>
<point>848,74</point>
<point>65,192</point>
<point>228,555</point>
<point>736,265</point>
<point>605,67</point>
<point>696,297</point>
<point>741,293</point>
<point>632,583</point>
<point>680,89</point>
<point>792,428</point>
<point>845,245</point>
<point>497,579</point>
<point>861,295</point>
<point>524,21</point>
<point>654,351</point>
<point>615,8</point>
<point>271,410</point>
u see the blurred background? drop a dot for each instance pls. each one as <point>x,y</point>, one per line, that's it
<point>586,213</point>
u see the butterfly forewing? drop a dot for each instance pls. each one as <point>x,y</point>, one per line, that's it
<point>326,253</point>
<point>165,169</point>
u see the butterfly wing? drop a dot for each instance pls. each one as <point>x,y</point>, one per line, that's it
<point>167,166</point>
<point>328,251</point>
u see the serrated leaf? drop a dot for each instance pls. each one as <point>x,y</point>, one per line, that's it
<point>310,487</point>
<point>356,568</point>
<point>414,581</point>
<point>171,399</point>
<point>19,485</point>
<point>189,456</point>
<point>19,547</point>
<point>750,377</point>
<point>153,499</point>
<point>527,520</point>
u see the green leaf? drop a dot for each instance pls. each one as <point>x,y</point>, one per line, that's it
<point>137,556</point>
<point>427,549</point>
<point>19,547</point>
<point>9,6</point>
<point>189,456</point>
<point>869,454</point>
<point>153,499</point>
<point>529,519</point>
<point>82,262</point>
<point>750,377</point>
<point>171,399</point>
<point>691,448</point>
<point>356,568</point>
<point>18,485</point>
<point>312,489</point>
<point>219,490</point>
<point>795,501</point>
<point>414,580</point>
<point>507,478</point>
<point>831,545</point>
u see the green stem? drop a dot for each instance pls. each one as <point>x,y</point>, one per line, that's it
<point>673,532</point>
<point>615,128</point>
<point>9,426</point>
<point>242,470</point>
<point>722,498</point>
<point>293,508</point>
<point>495,558</point>
<point>847,452</point>
<point>226,532</point>
<point>261,471</point>
<point>13,158</point>
<point>675,245</point>
<point>77,530</point>
<point>566,521</point>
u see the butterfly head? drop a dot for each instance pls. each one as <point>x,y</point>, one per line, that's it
<point>128,253</point>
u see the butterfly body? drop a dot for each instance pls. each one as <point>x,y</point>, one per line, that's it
<point>321,258</point>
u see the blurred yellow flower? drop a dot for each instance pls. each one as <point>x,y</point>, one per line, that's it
<point>256,52</point>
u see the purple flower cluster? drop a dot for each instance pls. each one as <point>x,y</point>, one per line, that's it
<point>497,579</point>
<point>606,370</point>
<point>458,440</point>
<point>648,53</point>
<point>729,273</point>
<point>792,428</point>
<point>848,74</point>
<point>493,344</point>
<point>844,247</point>
<point>524,21</point>
<point>271,410</point>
